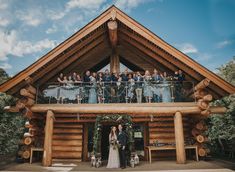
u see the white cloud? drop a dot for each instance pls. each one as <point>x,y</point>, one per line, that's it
<point>187,48</point>
<point>7,41</point>
<point>4,22</point>
<point>203,57</point>
<point>53,29</point>
<point>223,44</point>
<point>84,4</point>
<point>127,5</point>
<point>26,47</point>
<point>11,45</point>
<point>31,17</point>
<point>3,5</point>
<point>55,15</point>
<point>5,66</point>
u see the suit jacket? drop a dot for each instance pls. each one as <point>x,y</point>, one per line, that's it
<point>122,138</point>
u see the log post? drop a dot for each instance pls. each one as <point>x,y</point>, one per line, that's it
<point>26,93</point>
<point>32,89</point>
<point>112,26</point>
<point>201,85</point>
<point>47,154</point>
<point>114,63</point>
<point>179,139</point>
<point>113,38</point>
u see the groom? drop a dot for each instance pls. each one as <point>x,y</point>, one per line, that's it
<point>122,141</point>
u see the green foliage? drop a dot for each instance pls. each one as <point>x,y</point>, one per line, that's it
<point>11,124</point>
<point>3,76</point>
<point>227,71</point>
<point>222,127</point>
<point>11,127</point>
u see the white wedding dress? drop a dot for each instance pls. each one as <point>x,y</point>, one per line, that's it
<point>113,161</point>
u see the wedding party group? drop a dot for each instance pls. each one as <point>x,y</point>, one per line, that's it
<point>106,87</point>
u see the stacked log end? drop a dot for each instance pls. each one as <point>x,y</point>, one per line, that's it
<point>202,97</point>
<point>198,133</point>
<point>33,137</point>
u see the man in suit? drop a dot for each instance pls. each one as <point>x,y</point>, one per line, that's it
<point>122,141</point>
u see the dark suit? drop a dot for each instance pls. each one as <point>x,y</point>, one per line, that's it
<point>122,139</point>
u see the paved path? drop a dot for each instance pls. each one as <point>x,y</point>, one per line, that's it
<point>159,166</point>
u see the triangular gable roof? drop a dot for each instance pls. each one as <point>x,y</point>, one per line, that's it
<point>114,12</point>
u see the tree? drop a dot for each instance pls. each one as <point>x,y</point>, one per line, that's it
<point>11,124</point>
<point>3,76</point>
<point>222,127</point>
<point>227,71</point>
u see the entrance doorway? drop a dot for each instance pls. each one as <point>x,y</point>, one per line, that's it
<point>105,141</point>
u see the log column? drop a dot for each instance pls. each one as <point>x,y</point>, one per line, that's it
<point>47,154</point>
<point>114,63</point>
<point>179,138</point>
<point>113,38</point>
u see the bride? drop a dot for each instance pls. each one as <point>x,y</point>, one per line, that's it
<point>113,161</point>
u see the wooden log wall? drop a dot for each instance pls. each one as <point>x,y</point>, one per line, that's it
<point>162,130</point>
<point>67,140</point>
<point>199,136</point>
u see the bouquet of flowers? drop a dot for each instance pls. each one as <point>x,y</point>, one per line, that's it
<point>114,143</point>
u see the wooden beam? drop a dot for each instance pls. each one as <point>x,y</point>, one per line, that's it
<point>131,64</point>
<point>72,59</point>
<point>24,92</point>
<point>114,62</point>
<point>179,139</point>
<point>150,53</point>
<point>119,108</point>
<point>180,64</point>
<point>202,85</point>
<point>95,55</point>
<point>113,37</point>
<point>133,54</point>
<point>62,58</point>
<point>47,153</point>
<point>100,65</point>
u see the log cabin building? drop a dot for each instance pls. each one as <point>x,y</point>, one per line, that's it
<point>65,129</point>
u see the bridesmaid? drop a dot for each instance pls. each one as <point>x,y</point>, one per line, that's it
<point>156,89</point>
<point>166,95</point>
<point>148,94</point>
<point>92,91</point>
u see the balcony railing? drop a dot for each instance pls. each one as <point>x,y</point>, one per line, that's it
<point>117,92</point>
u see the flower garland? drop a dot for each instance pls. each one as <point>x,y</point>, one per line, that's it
<point>125,120</point>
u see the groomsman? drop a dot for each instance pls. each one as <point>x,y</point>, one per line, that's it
<point>122,141</point>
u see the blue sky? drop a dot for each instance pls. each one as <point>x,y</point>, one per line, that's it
<point>203,29</point>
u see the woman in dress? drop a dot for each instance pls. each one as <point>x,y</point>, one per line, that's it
<point>148,93</point>
<point>156,89</point>
<point>92,91</point>
<point>166,94</point>
<point>113,161</point>
<point>131,84</point>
